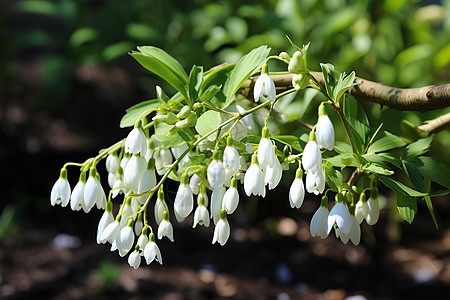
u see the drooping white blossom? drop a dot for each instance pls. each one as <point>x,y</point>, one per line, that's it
<point>165,227</point>
<point>134,259</point>
<point>325,133</point>
<point>110,232</point>
<point>231,158</point>
<point>163,158</point>
<point>125,238</point>
<point>266,150</point>
<point>315,180</point>
<point>216,202</point>
<point>273,174</point>
<point>136,142</point>
<point>216,173</point>
<point>147,181</point>
<point>231,197</point>
<point>339,216</point>
<point>297,190</point>
<point>373,212</point>
<point>222,230</point>
<point>77,196</point>
<point>133,171</point>
<point>112,163</point>
<point>151,251</point>
<point>319,222</point>
<point>93,191</point>
<point>264,87</point>
<point>354,233</point>
<point>184,199</point>
<point>201,215</point>
<point>324,130</point>
<point>106,219</point>
<point>61,191</point>
<point>311,156</point>
<point>194,183</point>
<point>254,179</point>
<point>142,242</point>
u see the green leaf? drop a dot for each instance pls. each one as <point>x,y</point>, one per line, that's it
<point>432,169</point>
<point>399,187</point>
<point>431,210</point>
<point>377,169</point>
<point>245,67</point>
<point>386,141</point>
<point>357,121</point>
<point>290,140</point>
<point>208,121</point>
<point>407,206</point>
<point>343,160</point>
<point>167,59</point>
<point>164,66</point>
<point>418,148</point>
<point>172,141</point>
<point>328,76</point>
<point>384,158</point>
<point>210,92</point>
<point>343,85</point>
<point>341,147</point>
<point>216,77</point>
<point>195,80</point>
<point>333,177</point>
<point>414,175</point>
<point>133,113</point>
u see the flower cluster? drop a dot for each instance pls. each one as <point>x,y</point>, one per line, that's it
<point>208,168</point>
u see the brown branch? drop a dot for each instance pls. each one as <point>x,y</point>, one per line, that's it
<point>414,99</point>
<point>436,125</point>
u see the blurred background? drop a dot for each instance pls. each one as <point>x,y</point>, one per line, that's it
<point>66,80</point>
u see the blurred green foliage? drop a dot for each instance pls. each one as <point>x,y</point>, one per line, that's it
<point>400,43</point>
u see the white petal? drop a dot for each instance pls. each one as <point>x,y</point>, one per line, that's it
<point>184,201</point>
<point>325,132</point>
<point>318,225</point>
<point>296,193</point>
<point>216,174</point>
<point>231,200</point>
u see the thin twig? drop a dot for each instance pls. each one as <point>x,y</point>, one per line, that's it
<point>436,125</point>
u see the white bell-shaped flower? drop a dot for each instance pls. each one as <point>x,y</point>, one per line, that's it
<point>184,200</point>
<point>254,179</point>
<point>297,190</point>
<point>77,196</point>
<point>273,174</point>
<point>106,219</point>
<point>142,242</point>
<point>147,181</point>
<point>151,251</point>
<point>163,158</point>
<point>61,191</point>
<point>315,181</point>
<point>264,87</point>
<point>138,225</point>
<point>231,158</point>
<point>318,226</point>
<point>165,227</point>
<point>126,209</point>
<point>159,206</point>
<point>340,216</point>
<point>112,163</point>
<point>373,211</point>
<point>266,150</point>
<point>361,209</point>
<point>134,259</point>
<point>201,215</point>
<point>124,161</point>
<point>125,238</point>
<point>216,172</point>
<point>311,155</point>
<point>324,130</point>
<point>133,171</point>
<point>231,197</point>
<point>136,142</point>
<point>354,233</point>
<point>110,232</point>
<point>118,186</point>
<point>194,183</point>
<point>93,191</point>
<point>222,229</point>
<point>216,202</point>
